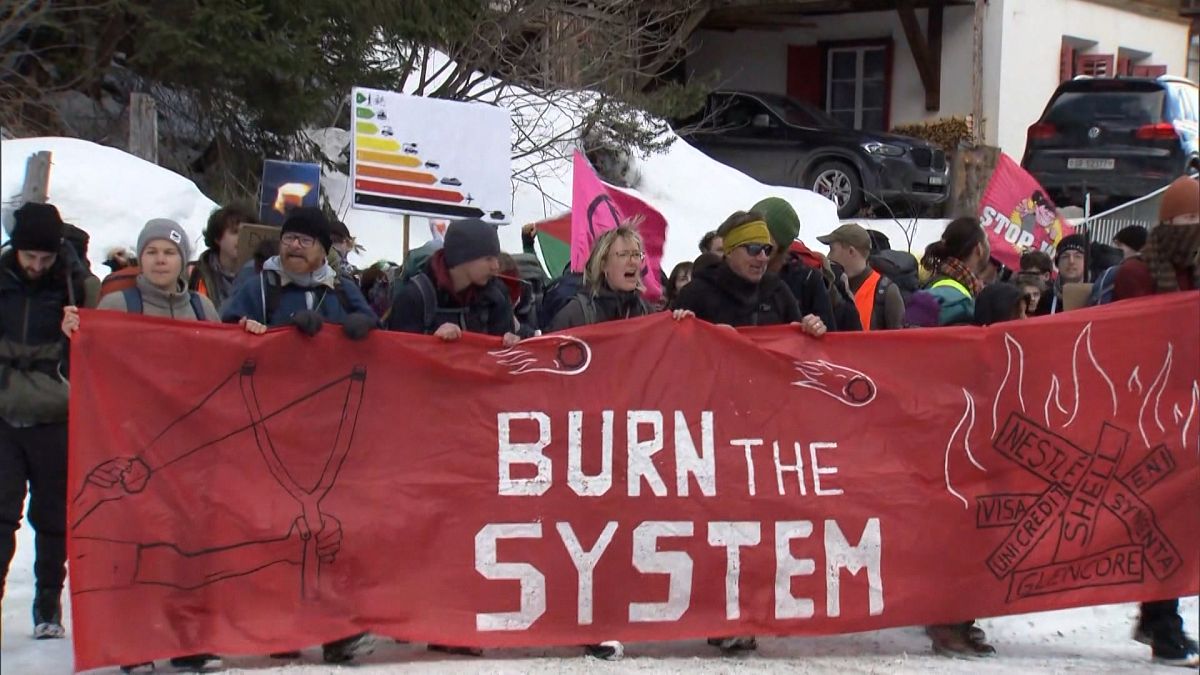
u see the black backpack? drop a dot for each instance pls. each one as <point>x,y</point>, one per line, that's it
<point>134,305</point>
<point>431,310</point>
<point>558,294</point>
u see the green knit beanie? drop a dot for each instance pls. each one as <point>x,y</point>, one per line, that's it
<point>781,219</point>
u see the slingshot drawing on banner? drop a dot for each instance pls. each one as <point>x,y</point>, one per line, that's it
<point>317,533</point>
<point>1085,484</point>
<point>553,354</point>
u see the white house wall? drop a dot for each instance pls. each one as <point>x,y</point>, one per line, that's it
<point>1032,39</point>
<point>757,59</point>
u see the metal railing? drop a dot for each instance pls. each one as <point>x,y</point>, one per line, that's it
<point>1143,211</point>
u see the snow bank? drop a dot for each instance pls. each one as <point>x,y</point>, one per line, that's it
<point>107,192</point>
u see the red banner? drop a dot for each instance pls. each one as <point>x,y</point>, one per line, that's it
<point>1018,215</point>
<point>643,480</point>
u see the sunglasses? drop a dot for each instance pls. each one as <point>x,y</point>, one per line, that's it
<point>755,249</point>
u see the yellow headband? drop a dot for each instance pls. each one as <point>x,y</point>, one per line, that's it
<point>754,232</point>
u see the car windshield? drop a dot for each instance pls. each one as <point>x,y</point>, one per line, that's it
<point>1091,107</point>
<point>799,114</point>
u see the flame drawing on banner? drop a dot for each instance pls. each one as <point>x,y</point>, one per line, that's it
<point>1064,400</point>
<point>968,412</point>
<point>847,385</point>
<point>553,354</point>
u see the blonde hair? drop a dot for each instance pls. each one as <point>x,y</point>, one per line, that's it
<point>593,274</point>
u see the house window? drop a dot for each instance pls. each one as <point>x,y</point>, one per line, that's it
<point>856,86</point>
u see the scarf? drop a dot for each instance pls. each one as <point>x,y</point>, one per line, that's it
<point>957,270</point>
<point>322,276</point>
<point>1172,249</point>
<point>440,271</point>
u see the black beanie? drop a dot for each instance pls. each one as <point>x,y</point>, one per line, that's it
<point>1074,242</point>
<point>37,227</point>
<point>311,221</point>
<point>468,240</point>
<point>1133,236</point>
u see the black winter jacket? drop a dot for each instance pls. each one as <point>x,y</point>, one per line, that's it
<point>718,295</point>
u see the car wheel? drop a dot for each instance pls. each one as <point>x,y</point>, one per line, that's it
<point>839,183</point>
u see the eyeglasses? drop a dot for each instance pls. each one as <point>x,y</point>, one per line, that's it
<point>755,249</point>
<point>301,240</point>
<point>629,255</point>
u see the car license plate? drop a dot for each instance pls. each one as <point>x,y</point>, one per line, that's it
<point>1089,164</point>
<point>937,180</point>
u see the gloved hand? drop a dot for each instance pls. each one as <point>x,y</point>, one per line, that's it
<point>308,321</point>
<point>356,326</point>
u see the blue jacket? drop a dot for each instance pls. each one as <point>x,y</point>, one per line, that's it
<point>958,307</point>
<point>250,296</point>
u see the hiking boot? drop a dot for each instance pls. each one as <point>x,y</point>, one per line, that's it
<point>959,640</point>
<point>1169,645</point>
<point>610,650</point>
<point>47,615</point>
<point>733,645</point>
<point>347,649</point>
<point>457,651</point>
<point>196,662</point>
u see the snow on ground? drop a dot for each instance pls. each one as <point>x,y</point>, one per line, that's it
<point>1085,640</point>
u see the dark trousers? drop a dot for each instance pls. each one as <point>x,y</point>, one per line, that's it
<point>36,456</point>
<point>1154,612</point>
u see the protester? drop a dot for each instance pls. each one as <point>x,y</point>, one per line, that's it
<point>77,248</point>
<point>1071,259</point>
<point>456,290</point>
<point>160,290</point>
<point>681,275</point>
<point>802,280</point>
<point>612,282</point>
<point>376,285</point>
<point>37,280</point>
<point>1001,302</point>
<point>214,274</point>
<point>299,287</point>
<point>118,258</point>
<point>1169,262</point>
<point>1031,284</point>
<point>712,242</point>
<point>522,295</point>
<point>1131,240</point>
<point>956,261</point>
<point>879,302</point>
<point>343,246</point>
<point>740,291</point>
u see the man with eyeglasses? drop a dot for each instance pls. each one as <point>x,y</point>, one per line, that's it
<point>298,287</point>
<point>740,291</point>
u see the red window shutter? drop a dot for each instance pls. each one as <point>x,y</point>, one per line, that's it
<point>805,76</point>
<point>1149,71</point>
<point>1095,65</point>
<point>1066,62</point>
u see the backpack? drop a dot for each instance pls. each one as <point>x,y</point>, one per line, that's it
<point>133,302</point>
<point>558,294</point>
<point>1103,290</point>
<point>899,268</point>
<point>271,288</point>
<point>120,281</point>
<point>431,309</point>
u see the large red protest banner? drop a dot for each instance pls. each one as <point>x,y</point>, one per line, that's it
<point>646,480</point>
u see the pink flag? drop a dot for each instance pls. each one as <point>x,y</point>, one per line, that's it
<point>1018,216</point>
<point>597,208</point>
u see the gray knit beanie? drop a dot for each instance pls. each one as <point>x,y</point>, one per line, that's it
<point>468,240</point>
<point>167,230</point>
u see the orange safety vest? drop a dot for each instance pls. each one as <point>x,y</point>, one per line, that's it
<point>864,299</point>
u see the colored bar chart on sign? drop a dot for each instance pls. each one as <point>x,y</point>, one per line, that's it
<point>430,157</point>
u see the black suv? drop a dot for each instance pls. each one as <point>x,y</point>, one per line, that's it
<point>1115,138</point>
<point>781,141</point>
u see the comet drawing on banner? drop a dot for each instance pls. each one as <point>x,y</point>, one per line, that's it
<point>312,540</point>
<point>846,385</point>
<point>552,354</point>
